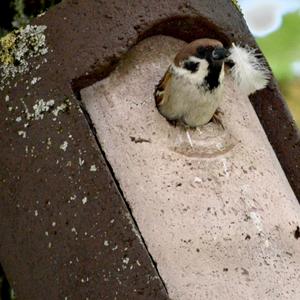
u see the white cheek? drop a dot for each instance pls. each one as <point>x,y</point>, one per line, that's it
<point>196,77</point>
<point>222,74</point>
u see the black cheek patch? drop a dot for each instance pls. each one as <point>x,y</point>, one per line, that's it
<point>201,52</point>
<point>212,78</point>
<point>191,66</point>
<point>229,63</point>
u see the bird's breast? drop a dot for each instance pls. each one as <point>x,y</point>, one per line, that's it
<point>191,102</point>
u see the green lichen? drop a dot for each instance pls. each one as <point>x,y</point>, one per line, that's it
<point>6,45</point>
<point>41,108</point>
<point>17,47</point>
<point>236,4</point>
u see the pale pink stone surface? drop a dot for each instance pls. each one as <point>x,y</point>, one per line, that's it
<point>218,218</point>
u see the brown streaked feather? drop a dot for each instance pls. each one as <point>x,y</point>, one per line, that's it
<point>161,90</point>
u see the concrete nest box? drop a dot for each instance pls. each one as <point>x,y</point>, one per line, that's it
<point>103,199</point>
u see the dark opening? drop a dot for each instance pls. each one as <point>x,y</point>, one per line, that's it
<point>6,292</point>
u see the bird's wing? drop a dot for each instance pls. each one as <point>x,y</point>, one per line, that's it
<point>161,91</point>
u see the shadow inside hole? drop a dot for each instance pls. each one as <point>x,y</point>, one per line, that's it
<point>182,28</point>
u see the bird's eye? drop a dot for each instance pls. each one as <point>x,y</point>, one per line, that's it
<point>191,66</point>
<point>220,53</point>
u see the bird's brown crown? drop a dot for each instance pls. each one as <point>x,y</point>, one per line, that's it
<point>192,48</point>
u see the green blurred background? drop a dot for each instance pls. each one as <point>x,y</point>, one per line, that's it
<point>276,25</point>
<point>282,49</point>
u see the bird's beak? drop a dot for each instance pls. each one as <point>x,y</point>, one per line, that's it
<point>220,54</point>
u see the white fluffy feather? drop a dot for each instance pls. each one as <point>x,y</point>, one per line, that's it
<point>249,71</point>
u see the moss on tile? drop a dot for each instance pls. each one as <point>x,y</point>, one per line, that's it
<point>236,4</point>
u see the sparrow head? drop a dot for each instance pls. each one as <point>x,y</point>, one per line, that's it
<point>202,61</point>
<point>210,50</point>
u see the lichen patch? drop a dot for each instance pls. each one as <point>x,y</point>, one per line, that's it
<point>84,200</point>
<point>35,80</point>
<point>22,133</point>
<point>64,107</point>
<point>93,168</point>
<point>40,108</point>
<point>64,146</point>
<point>17,47</point>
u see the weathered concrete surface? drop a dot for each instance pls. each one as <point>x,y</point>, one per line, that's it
<point>219,219</point>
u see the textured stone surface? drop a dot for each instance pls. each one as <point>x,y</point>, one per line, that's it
<point>218,218</point>
<point>41,253</point>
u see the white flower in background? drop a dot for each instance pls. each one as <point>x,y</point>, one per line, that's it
<point>265,16</point>
<point>296,68</point>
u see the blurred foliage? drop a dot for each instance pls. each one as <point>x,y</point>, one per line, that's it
<point>282,49</point>
<point>20,18</point>
<point>17,13</point>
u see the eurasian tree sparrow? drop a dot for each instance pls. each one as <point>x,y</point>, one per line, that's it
<point>192,88</point>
